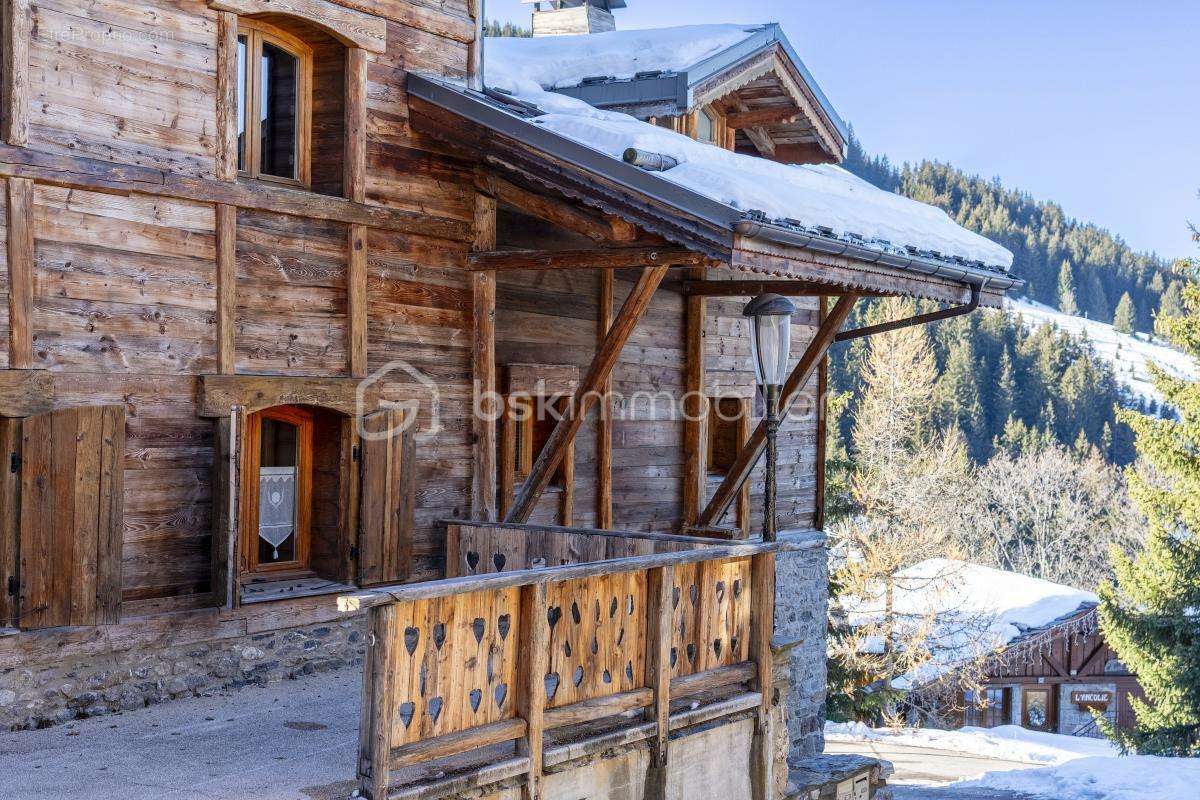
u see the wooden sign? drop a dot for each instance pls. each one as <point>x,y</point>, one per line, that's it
<point>1091,699</point>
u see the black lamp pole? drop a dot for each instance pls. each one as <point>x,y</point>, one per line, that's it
<point>770,343</point>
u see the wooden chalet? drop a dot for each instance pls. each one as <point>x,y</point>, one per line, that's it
<point>1052,678</point>
<point>263,259</point>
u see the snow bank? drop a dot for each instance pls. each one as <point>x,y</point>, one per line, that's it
<point>1110,778</point>
<point>1077,768</point>
<point>1008,742</point>
<point>555,62</point>
<point>1129,354</point>
<point>974,609</point>
<point>814,195</point>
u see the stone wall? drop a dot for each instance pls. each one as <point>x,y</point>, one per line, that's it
<point>35,696</point>
<point>802,599</point>
<point>1072,718</point>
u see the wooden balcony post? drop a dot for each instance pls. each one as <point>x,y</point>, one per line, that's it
<point>659,584</point>
<point>532,661</point>
<point>375,736</point>
<point>762,627</point>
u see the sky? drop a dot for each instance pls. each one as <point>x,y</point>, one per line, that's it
<point>1094,105</point>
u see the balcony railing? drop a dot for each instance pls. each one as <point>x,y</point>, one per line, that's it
<point>544,645</point>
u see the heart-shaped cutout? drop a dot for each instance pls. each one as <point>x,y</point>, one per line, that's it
<point>576,617</point>
<point>435,708</point>
<point>717,646</point>
<point>607,676</point>
<point>552,682</point>
<point>472,560</point>
<point>477,628</point>
<point>406,713</point>
<point>499,693</point>
<point>504,625</point>
<point>675,597</point>
<point>553,615</point>
<point>439,635</point>
<point>475,697</point>
<point>499,560</point>
<point>737,588</point>
<point>612,608</point>
<point>578,679</point>
<point>691,653</point>
<point>411,637</point>
<point>629,670</point>
<point>720,591</point>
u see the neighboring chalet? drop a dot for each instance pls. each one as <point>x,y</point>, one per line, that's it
<point>1053,677</point>
<point>263,262</point>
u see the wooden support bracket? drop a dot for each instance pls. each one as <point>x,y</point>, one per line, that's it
<point>601,367</point>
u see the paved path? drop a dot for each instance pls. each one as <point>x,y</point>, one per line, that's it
<point>294,740</point>
<point>922,772</point>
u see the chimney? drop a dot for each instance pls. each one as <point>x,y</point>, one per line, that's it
<point>572,17</point>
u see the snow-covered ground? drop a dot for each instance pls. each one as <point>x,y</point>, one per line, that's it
<point>1128,354</point>
<point>1076,768</point>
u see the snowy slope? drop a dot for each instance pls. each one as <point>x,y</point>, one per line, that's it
<point>1128,354</point>
<point>1008,742</point>
<point>812,194</point>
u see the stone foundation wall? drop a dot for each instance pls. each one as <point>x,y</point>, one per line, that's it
<point>801,603</point>
<point>36,696</point>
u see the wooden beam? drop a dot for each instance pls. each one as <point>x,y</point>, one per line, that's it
<point>17,20</point>
<point>610,258</point>
<point>475,50</point>
<point>762,626</point>
<point>761,116</point>
<point>353,28</point>
<point>742,288</point>
<point>761,140</point>
<point>378,698</point>
<point>227,83</point>
<point>226,235</point>
<point>75,172</point>
<point>659,634</point>
<point>483,367</point>
<point>21,267</point>
<point>606,356</point>
<point>604,423</point>
<point>558,212</point>
<point>532,665</point>
<point>356,299</point>
<point>748,455</point>
<point>695,467</point>
<point>355,164</point>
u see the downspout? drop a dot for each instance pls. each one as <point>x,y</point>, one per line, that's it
<point>919,319</point>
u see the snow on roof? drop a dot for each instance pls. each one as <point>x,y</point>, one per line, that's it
<point>811,195</point>
<point>556,62</point>
<point>977,609</point>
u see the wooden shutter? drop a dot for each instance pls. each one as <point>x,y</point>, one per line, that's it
<point>71,517</point>
<point>385,514</point>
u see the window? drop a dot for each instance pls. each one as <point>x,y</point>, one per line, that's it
<point>534,419</point>
<point>706,127</point>
<point>728,419</point>
<point>279,464</point>
<point>274,99</point>
<point>988,709</point>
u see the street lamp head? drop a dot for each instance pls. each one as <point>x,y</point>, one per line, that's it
<point>770,337</point>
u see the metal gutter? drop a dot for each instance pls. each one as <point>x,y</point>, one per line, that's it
<point>963,273</point>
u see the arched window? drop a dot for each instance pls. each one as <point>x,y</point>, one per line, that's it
<point>274,94</point>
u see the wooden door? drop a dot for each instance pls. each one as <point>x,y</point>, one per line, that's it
<point>70,517</point>
<point>386,485</point>
<point>1037,708</point>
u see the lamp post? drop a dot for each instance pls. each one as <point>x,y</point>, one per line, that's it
<point>770,345</point>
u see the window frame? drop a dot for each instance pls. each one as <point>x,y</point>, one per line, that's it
<point>302,565</point>
<point>256,33</point>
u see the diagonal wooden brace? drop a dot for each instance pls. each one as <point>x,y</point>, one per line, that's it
<point>588,392</point>
<point>748,456</point>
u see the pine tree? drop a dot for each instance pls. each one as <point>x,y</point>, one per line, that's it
<point>1151,615</point>
<point>1066,290</point>
<point>1123,318</point>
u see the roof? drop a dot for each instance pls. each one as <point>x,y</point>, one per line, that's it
<point>977,608</point>
<point>659,70</point>
<point>818,208</point>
